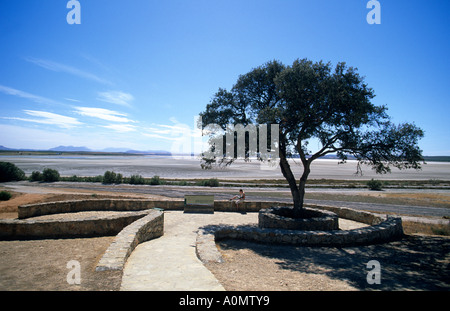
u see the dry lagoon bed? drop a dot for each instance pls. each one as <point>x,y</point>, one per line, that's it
<point>419,262</point>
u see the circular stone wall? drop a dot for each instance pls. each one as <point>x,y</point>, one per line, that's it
<point>74,219</point>
<point>314,219</point>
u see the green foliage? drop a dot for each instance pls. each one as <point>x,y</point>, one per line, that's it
<point>98,178</point>
<point>212,182</point>
<point>112,178</point>
<point>10,172</point>
<point>36,176</point>
<point>312,101</point>
<point>375,185</point>
<point>50,175</point>
<point>5,196</point>
<point>137,180</point>
<point>119,178</point>
<point>155,180</point>
<point>180,183</point>
<point>73,178</point>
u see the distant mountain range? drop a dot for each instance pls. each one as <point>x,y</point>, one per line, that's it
<point>85,149</point>
<point>70,149</point>
<point>167,153</point>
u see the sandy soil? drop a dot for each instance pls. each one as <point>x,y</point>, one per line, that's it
<point>42,264</point>
<point>416,263</point>
<point>419,262</point>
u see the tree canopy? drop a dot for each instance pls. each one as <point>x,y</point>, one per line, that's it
<point>313,100</point>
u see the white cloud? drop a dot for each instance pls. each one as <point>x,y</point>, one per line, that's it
<point>49,118</point>
<point>175,132</point>
<point>116,97</point>
<point>175,129</point>
<point>73,100</point>
<point>122,128</point>
<point>57,67</point>
<point>104,114</point>
<point>22,94</point>
<point>153,135</point>
<point>157,131</point>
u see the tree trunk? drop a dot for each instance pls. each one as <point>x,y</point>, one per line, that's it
<point>301,189</point>
<point>297,196</point>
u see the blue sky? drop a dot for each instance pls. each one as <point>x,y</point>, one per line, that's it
<point>134,74</point>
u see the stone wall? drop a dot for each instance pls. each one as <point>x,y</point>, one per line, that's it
<point>382,229</point>
<point>281,217</point>
<point>248,206</point>
<point>352,214</point>
<point>34,210</point>
<point>67,228</point>
<point>144,229</point>
<point>138,221</point>
<point>28,227</point>
<point>142,221</point>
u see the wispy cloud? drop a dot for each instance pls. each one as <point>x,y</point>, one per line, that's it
<point>174,129</point>
<point>122,128</point>
<point>35,98</point>
<point>158,131</point>
<point>158,136</point>
<point>50,118</point>
<point>104,114</point>
<point>73,100</point>
<point>171,132</point>
<point>58,67</point>
<point>116,97</point>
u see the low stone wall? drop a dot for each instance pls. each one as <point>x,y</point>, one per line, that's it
<point>67,228</point>
<point>352,214</point>
<point>383,229</point>
<point>248,206</point>
<point>34,210</point>
<point>137,222</point>
<point>144,229</point>
<point>317,219</point>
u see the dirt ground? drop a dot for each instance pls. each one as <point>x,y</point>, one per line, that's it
<point>415,263</point>
<point>42,264</point>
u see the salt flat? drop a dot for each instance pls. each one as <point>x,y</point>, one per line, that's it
<point>187,167</point>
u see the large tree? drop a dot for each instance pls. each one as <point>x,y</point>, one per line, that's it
<point>312,100</point>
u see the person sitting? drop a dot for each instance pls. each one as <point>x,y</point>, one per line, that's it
<point>240,198</point>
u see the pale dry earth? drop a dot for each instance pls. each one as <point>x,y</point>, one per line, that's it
<point>189,167</point>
